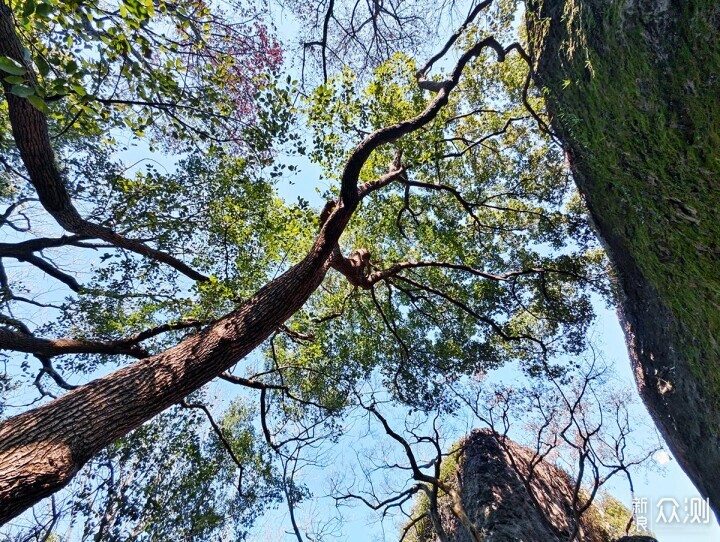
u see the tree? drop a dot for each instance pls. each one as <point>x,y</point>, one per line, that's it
<point>469,247</point>
<point>577,422</point>
<point>652,190</point>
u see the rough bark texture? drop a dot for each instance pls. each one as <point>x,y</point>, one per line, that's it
<point>497,501</point>
<point>633,88</point>
<point>494,488</point>
<point>41,450</point>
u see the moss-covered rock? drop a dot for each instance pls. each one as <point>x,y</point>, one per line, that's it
<point>634,90</point>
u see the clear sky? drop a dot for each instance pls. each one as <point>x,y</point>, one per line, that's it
<point>669,482</point>
<point>660,488</point>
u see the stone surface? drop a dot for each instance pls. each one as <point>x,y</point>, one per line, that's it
<point>496,498</point>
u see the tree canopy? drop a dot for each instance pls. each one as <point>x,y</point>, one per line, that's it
<point>153,259</point>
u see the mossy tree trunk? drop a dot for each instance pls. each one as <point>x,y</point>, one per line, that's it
<point>634,90</point>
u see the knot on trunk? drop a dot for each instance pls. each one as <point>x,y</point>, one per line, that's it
<point>355,268</point>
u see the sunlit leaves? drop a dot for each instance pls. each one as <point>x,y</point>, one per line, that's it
<point>11,67</point>
<point>220,211</point>
<point>490,193</point>
<point>174,479</point>
<point>184,69</point>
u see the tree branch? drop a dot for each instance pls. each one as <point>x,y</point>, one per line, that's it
<point>24,341</point>
<point>48,348</point>
<point>79,424</point>
<point>218,431</point>
<point>51,270</point>
<point>422,72</point>
<point>30,131</point>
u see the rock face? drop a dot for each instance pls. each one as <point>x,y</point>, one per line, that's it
<point>633,87</point>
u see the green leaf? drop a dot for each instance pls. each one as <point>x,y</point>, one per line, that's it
<point>79,89</point>
<point>42,65</point>
<point>13,67</point>
<point>14,80</point>
<point>38,103</point>
<point>29,8</point>
<point>22,90</point>
<point>43,10</point>
<point>150,7</point>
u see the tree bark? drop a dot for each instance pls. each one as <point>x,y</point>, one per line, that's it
<point>633,90</point>
<point>42,449</point>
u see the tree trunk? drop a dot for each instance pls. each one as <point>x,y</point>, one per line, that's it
<point>30,131</point>
<point>633,88</point>
<point>41,450</point>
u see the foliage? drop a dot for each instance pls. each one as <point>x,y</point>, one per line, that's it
<point>613,518</point>
<point>184,69</point>
<point>172,480</point>
<point>511,210</point>
<point>482,250</point>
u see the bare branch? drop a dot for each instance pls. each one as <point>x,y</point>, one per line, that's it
<point>221,436</point>
<point>422,72</point>
<point>22,342</point>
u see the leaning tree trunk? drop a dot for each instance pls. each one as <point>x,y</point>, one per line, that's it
<point>633,88</point>
<point>41,450</point>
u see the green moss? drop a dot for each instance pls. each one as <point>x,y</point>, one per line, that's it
<point>652,149</point>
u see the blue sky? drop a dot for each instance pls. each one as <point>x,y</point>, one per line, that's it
<point>668,482</point>
<point>663,480</point>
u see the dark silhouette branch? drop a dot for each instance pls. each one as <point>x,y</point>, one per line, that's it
<point>422,72</point>
<point>97,413</point>
<point>221,437</point>
<point>24,341</point>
